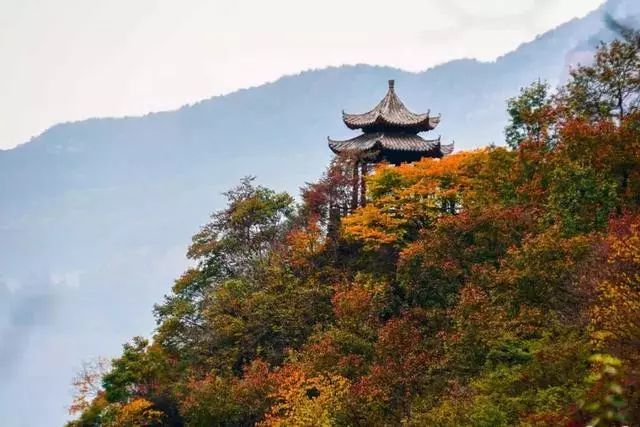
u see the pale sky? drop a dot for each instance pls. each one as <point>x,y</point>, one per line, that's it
<point>67,60</point>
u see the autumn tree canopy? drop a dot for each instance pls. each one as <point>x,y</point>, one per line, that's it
<point>495,287</point>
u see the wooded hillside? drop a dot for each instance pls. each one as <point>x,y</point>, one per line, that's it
<point>495,287</point>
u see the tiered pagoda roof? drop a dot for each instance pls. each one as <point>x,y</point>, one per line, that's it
<point>391,113</point>
<point>393,147</point>
<point>390,131</point>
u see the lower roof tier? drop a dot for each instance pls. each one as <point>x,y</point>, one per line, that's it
<point>392,147</point>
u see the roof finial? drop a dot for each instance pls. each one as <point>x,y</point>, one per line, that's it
<point>391,84</point>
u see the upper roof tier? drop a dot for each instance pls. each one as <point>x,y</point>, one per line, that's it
<point>390,113</point>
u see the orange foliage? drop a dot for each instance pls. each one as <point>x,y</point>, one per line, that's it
<point>615,316</point>
<point>356,305</point>
<point>402,364</point>
<point>303,400</point>
<point>373,226</point>
<point>428,189</point>
<point>303,243</point>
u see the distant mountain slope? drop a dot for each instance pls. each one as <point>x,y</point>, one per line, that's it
<point>95,215</point>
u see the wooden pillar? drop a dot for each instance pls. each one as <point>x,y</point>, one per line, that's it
<point>363,183</point>
<point>355,184</point>
<point>333,224</point>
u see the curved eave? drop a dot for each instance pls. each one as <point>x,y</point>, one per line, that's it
<point>393,142</point>
<point>361,143</point>
<point>446,149</point>
<point>415,122</point>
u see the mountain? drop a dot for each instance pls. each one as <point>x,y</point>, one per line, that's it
<point>94,214</point>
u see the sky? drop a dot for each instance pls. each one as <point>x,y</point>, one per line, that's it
<point>68,60</point>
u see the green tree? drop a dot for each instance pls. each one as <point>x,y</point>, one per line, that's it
<point>610,87</point>
<point>530,116</point>
<point>580,199</point>
<point>235,244</point>
<point>238,239</point>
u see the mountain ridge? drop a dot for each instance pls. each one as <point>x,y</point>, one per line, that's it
<point>594,15</point>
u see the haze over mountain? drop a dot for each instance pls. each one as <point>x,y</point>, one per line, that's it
<point>96,215</point>
<point>74,60</point>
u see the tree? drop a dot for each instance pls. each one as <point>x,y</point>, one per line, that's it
<point>302,400</point>
<point>135,413</point>
<point>531,116</point>
<point>580,199</point>
<point>87,384</point>
<point>236,243</point>
<point>239,238</point>
<point>606,404</point>
<point>610,87</point>
<point>408,198</point>
<point>332,197</point>
<point>471,290</point>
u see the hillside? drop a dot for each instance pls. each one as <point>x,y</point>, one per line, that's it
<point>96,214</point>
<point>492,287</point>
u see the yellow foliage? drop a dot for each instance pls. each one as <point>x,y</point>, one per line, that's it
<point>371,225</point>
<point>411,194</point>
<point>307,401</point>
<point>137,413</point>
<point>303,244</point>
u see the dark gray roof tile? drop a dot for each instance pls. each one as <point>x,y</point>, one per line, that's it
<point>391,112</point>
<point>391,142</point>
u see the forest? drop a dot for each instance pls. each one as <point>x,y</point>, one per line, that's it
<point>494,287</point>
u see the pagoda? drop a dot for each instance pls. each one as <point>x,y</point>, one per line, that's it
<point>390,133</point>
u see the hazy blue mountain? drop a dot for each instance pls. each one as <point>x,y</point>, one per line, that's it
<point>95,216</point>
